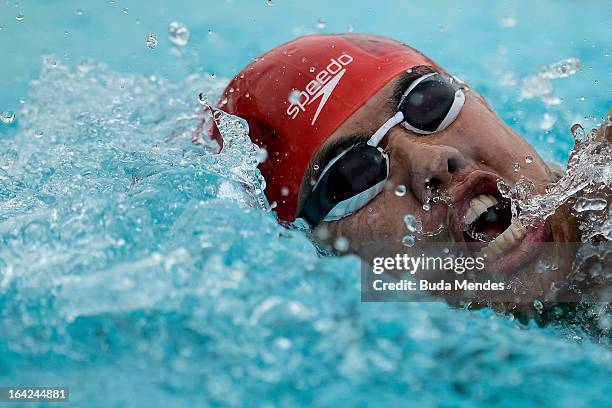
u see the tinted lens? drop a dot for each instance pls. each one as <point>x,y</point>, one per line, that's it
<point>360,168</point>
<point>426,106</point>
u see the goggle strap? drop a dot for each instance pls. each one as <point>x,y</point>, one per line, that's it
<point>382,131</point>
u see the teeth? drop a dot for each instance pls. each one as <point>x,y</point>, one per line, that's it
<point>503,241</point>
<point>478,205</point>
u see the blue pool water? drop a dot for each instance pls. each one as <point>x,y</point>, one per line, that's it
<point>134,271</point>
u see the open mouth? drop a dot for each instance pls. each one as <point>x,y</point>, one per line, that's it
<point>488,221</point>
<point>482,219</point>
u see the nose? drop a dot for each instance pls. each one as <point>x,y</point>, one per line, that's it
<point>428,168</point>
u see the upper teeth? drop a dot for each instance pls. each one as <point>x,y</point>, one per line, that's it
<point>478,205</point>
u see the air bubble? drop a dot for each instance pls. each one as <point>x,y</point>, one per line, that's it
<point>151,41</point>
<point>408,241</point>
<point>178,33</point>
<point>400,190</point>
<point>7,117</point>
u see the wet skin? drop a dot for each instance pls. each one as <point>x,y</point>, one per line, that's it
<point>475,150</point>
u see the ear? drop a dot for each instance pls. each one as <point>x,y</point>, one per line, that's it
<point>556,170</point>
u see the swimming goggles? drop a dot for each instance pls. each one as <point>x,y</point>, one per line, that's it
<point>353,178</point>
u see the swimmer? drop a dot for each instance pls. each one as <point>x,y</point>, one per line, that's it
<point>361,130</point>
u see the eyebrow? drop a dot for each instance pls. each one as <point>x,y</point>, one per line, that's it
<point>406,79</point>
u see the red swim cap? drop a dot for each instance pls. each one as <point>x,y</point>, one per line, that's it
<point>295,96</point>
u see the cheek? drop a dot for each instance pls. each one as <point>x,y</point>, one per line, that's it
<point>383,220</point>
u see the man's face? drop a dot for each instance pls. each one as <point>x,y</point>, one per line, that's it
<point>449,172</point>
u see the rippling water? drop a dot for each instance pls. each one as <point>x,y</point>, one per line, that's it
<point>135,270</point>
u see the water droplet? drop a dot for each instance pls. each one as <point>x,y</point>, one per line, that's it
<point>19,17</point>
<point>321,24</point>
<point>203,99</point>
<point>538,305</point>
<point>270,2</point>
<point>151,41</point>
<point>178,33</point>
<point>503,188</point>
<point>350,28</point>
<point>7,117</point>
<point>294,96</point>
<point>400,190</point>
<point>411,222</point>
<point>508,22</point>
<point>282,343</point>
<point>261,155</point>
<point>38,134</point>
<point>408,241</point>
<point>590,204</point>
<point>426,207</point>
<point>284,191</point>
<point>125,10</point>
<point>79,12</point>
<point>578,132</point>
<point>561,69</point>
<point>528,159</point>
<point>315,167</point>
<point>542,266</point>
<point>311,69</point>
<point>516,167</point>
<point>548,121</point>
<point>341,244</point>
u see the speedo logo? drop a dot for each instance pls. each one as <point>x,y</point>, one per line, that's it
<point>322,86</point>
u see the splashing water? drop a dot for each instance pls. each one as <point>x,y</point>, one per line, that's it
<point>539,85</point>
<point>7,117</point>
<point>151,41</point>
<point>588,175</point>
<point>131,258</point>
<point>178,34</point>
